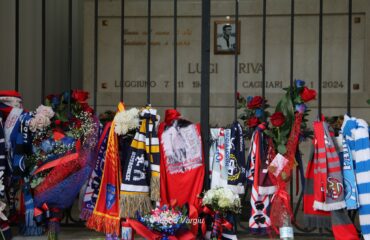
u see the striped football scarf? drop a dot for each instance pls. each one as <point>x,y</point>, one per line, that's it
<point>93,185</point>
<point>218,171</point>
<point>328,183</point>
<point>313,217</point>
<point>106,214</point>
<point>237,162</point>
<point>259,221</point>
<point>143,162</point>
<point>349,177</point>
<point>2,155</point>
<point>356,134</point>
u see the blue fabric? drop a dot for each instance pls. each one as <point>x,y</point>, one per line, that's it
<point>237,154</point>
<point>21,142</point>
<point>356,133</point>
<point>350,186</point>
<point>29,228</point>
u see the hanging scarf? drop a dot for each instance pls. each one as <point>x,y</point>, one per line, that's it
<point>106,214</point>
<point>236,165</point>
<point>93,186</point>
<point>218,170</point>
<point>141,168</point>
<point>30,227</point>
<point>2,157</point>
<point>328,183</point>
<point>312,217</point>
<point>182,163</point>
<point>342,226</point>
<point>349,177</point>
<point>259,221</point>
<point>356,134</point>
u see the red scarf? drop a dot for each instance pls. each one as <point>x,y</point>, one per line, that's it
<point>106,215</point>
<point>183,187</point>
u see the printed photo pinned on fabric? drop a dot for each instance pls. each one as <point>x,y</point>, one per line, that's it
<point>277,164</point>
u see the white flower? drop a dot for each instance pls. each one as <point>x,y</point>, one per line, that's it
<point>39,122</point>
<point>222,199</point>
<point>126,120</point>
<point>45,110</point>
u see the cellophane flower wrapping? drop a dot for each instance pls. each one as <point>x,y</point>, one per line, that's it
<point>167,221</point>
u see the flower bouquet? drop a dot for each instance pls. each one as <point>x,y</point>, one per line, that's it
<point>220,204</point>
<point>165,220</point>
<point>254,112</point>
<point>63,154</point>
<point>288,129</point>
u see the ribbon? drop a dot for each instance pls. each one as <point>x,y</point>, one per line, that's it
<point>219,223</point>
<point>56,162</point>
<point>53,215</point>
<point>149,234</point>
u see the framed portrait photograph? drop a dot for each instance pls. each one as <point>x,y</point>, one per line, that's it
<point>225,33</point>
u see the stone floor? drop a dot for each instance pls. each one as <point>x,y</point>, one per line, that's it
<point>76,233</point>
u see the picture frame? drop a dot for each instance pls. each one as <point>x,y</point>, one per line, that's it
<point>223,44</point>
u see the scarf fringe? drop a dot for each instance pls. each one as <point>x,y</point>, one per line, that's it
<point>312,221</point>
<point>328,206</point>
<point>86,214</point>
<point>103,224</point>
<point>155,188</point>
<point>130,204</point>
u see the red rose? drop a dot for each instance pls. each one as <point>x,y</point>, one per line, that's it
<point>252,122</point>
<point>86,108</point>
<point>50,96</point>
<point>308,94</point>
<point>277,119</point>
<point>255,102</point>
<point>58,122</point>
<point>237,95</point>
<point>79,95</point>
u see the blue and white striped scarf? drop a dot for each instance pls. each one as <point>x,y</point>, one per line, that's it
<point>356,134</point>
<point>349,176</point>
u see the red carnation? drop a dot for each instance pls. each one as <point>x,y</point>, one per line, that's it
<point>277,119</point>
<point>255,102</point>
<point>308,94</point>
<point>252,122</point>
<point>79,95</point>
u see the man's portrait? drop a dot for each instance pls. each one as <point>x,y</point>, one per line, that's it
<point>225,37</point>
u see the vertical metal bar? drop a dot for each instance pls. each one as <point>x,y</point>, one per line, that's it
<point>16,82</point>
<point>96,12</point>
<point>43,48</point>
<point>236,58</point>
<point>122,48</point>
<point>349,57</point>
<point>205,83</point>
<point>320,59</point>
<point>175,54</point>
<point>291,42</point>
<point>264,49</point>
<point>70,18</point>
<point>291,77</point>
<point>149,46</point>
